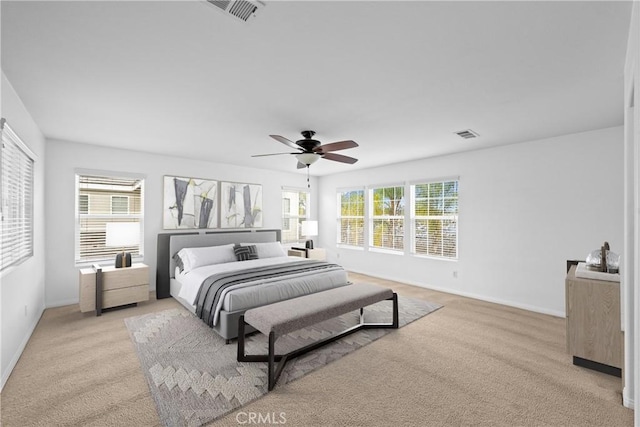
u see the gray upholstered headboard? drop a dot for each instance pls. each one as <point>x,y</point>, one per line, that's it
<point>170,243</point>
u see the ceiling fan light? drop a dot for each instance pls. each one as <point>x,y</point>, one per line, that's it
<point>308,158</point>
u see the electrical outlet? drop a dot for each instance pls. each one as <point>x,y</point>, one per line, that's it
<point>455,274</point>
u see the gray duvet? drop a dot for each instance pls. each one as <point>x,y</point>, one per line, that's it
<point>269,284</point>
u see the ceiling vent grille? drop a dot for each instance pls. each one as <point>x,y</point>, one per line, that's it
<point>239,9</point>
<point>467,134</point>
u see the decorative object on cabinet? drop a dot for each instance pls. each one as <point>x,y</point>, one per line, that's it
<point>611,261</point>
<point>241,205</point>
<point>108,287</point>
<point>594,337</point>
<point>189,203</point>
<point>122,235</point>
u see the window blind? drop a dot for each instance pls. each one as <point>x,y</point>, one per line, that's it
<point>295,209</point>
<point>102,200</point>
<point>387,218</point>
<point>17,199</point>
<point>351,218</point>
<point>435,218</point>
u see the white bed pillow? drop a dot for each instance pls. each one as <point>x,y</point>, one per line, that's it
<point>208,255</point>
<point>268,249</point>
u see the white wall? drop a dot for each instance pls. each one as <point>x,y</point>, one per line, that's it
<point>63,158</point>
<point>524,210</point>
<point>22,287</point>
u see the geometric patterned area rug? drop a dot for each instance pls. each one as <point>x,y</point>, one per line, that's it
<point>194,377</point>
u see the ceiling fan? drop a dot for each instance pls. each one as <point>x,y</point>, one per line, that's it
<point>310,150</point>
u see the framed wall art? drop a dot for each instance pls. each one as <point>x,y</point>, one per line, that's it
<point>240,205</point>
<point>189,203</point>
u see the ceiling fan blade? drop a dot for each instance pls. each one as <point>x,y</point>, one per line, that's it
<point>335,146</point>
<point>301,165</point>
<point>272,154</point>
<point>339,158</point>
<point>285,141</point>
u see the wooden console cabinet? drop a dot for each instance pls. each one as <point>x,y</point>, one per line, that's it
<point>120,286</point>
<point>593,323</point>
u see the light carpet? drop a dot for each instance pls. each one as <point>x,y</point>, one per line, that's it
<point>194,377</point>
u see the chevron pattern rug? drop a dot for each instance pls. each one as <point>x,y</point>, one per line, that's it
<point>194,377</point>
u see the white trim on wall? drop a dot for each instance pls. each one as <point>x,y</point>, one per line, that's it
<point>631,264</point>
<point>16,356</point>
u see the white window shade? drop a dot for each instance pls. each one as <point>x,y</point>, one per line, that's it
<point>387,218</point>
<point>104,202</point>
<point>295,210</point>
<point>435,218</point>
<point>16,178</point>
<point>351,217</point>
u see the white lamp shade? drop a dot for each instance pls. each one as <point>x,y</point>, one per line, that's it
<point>308,158</point>
<point>309,228</point>
<point>123,234</point>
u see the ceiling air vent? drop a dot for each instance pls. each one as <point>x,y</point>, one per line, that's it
<point>239,9</point>
<point>467,134</point>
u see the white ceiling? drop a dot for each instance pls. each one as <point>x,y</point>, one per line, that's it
<point>181,78</point>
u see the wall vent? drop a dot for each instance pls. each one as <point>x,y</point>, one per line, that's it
<point>238,9</point>
<point>467,134</point>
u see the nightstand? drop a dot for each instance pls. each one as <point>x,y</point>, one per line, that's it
<point>107,287</point>
<point>318,253</point>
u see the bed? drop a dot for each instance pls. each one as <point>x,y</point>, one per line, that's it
<point>219,289</point>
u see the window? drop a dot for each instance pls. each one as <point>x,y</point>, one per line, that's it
<point>435,219</point>
<point>16,161</point>
<point>286,208</point>
<point>101,200</point>
<point>83,203</point>
<point>387,218</point>
<point>120,205</point>
<point>351,218</point>
<point>295,209</point>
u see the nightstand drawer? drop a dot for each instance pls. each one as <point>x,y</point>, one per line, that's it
<point>297,252</point>
<point>130,295</point>
<point>116,278</point>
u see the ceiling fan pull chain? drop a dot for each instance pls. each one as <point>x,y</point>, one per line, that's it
<point>308,185</point>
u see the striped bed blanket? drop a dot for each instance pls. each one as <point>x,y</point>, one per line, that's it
<point>213,289</point>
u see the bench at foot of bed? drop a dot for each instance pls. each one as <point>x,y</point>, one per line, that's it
<point>275,320</point>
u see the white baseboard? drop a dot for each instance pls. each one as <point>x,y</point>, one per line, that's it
<point>62,303</point>
<point>20,349</point>
<point>628,403</point>
<point>470,295</point>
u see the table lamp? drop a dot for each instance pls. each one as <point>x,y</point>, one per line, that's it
<point>309,229</point>
<point>123,234</point>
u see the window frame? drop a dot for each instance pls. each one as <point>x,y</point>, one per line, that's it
<point>109,256</point>
<point>340,218</point>
<point>414,217</point>
<point>293,218</point>
<point>16,206</point>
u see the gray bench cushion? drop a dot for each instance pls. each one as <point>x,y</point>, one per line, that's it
<point>297,313</point>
